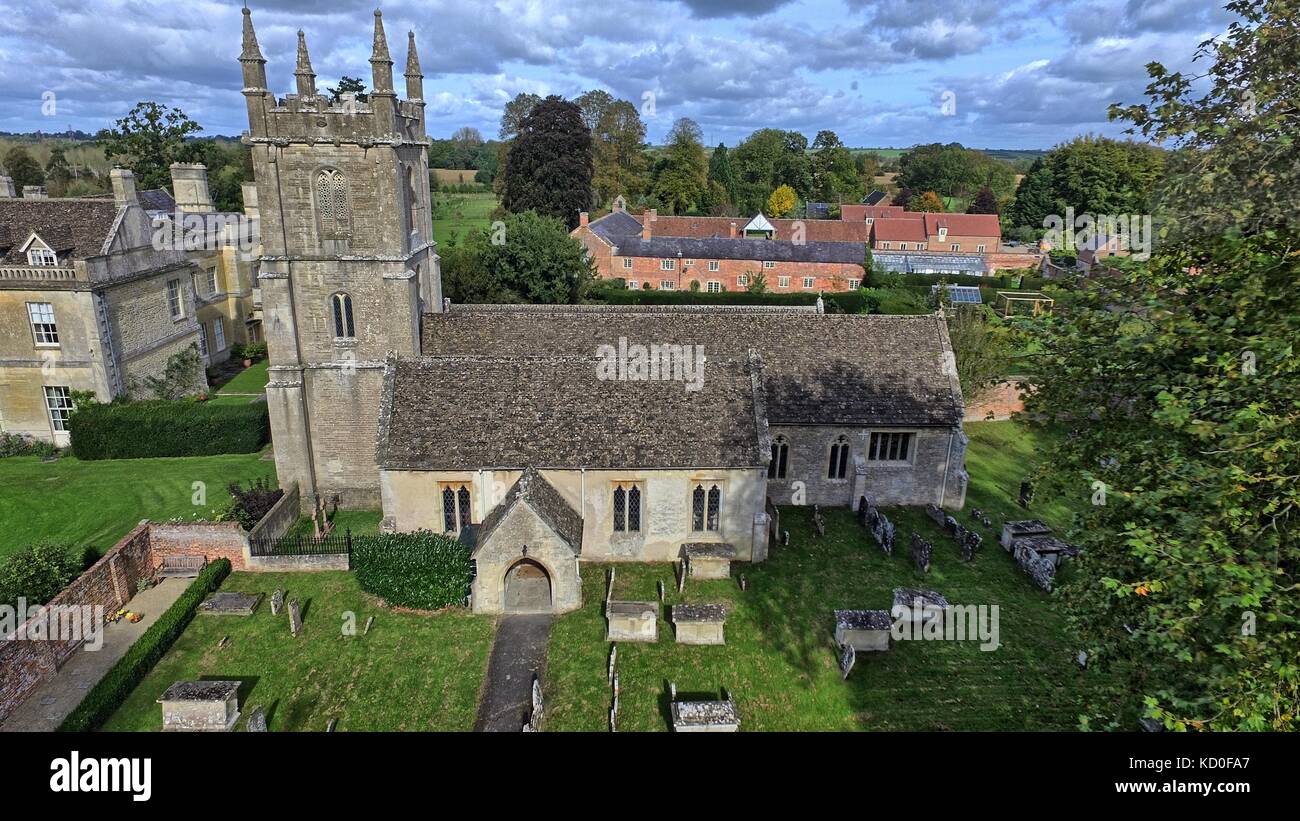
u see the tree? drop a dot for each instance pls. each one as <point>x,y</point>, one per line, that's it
<point>721,172</point>
<point>618,138</point>
<point>514,114</point>
<point>229,163</point>
<point>903,197</point>
<point>757,282</point>
<point>954,171</point>
<point>683,171</point>
<point>1034,200</point>
<point>835,174</point>
<point>23,168</point>
<point>149,138</point>
<point>532,259</point>
<point>782,201</point>
<point>929,201</point>
<point>1177,393</point>
<point>549,165</point>
<point>984,203</point>
<point>37,573</point>
<point>869,167</point>
<point>982,347</point>
<point>348,85</point>
<point>764,161</point>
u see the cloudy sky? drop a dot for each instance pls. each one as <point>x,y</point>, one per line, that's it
<point>878,72</point>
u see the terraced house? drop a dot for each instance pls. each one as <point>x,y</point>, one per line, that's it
<point>87,303</point>
<point>546,436</point>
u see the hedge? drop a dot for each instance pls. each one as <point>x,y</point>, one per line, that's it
<point>106,696</point>
<point>842,302</point>
<point>139,430</point>
<point>424,570</point>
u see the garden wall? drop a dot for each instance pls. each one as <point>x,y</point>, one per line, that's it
<point>277,521</point>
<point>211,540</point>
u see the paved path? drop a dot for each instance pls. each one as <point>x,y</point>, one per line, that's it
<point>52,700</point>
<point>518,652</point>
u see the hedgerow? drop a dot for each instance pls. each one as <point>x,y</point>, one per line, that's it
<point>423,570</point>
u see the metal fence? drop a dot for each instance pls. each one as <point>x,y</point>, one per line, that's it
<point>335,544</point>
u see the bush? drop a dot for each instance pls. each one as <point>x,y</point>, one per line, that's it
<point>248,506</point>
<point>11,444</point>
<point>139,430</point>
<point>37,573</point>
<point>256,351</point>
<point>106,696</point>
<point>424,570</point>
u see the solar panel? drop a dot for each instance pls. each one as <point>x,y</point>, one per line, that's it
<point>962,294</point>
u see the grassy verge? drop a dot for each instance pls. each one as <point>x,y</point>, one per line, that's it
<point>412,672</point>
<point>456,214</point>
<point>251,380</point>
<point>93,504</point>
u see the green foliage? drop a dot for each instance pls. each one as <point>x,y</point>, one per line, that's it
<point>249,505</point>
<point>835,173</point>
<point>983,347</point>
<point>347,85</point>
<point>37,573</point>
<point>722,173</point>
<point>182,376</point>
<point>681,174</point>
<point>618,140</point>
<point>116,685</point>
<point>149,139</point>
<point>23,168</point>
<point>766,160</point>
<point>549,167</point>
<point>954,171</point>
<point>256,351</point>
<point>135,430</point>
<point>12,444</point>
<point>426,571</point>
<point>782,202</point>
<point>903,300</point>
<point>230,164</point>
<point>527,258</point>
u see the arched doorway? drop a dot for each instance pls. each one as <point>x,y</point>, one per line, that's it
<point>528,588</point>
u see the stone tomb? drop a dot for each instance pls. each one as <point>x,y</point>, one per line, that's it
<point>228,603</point>
<point>632,621</point>
<point>718,716</point>
<point>699,623</point>
<point>1015,530</point>
<point>863,630</point>
<point>918,606</point>
<point>1052,549</point>
<point>200,706</point>
<point>709,560</point>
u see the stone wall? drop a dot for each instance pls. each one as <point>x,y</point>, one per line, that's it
<point>282,516</point>
<point>109,583</point>
<point>292,564</point>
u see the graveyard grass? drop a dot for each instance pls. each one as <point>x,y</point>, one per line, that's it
<point>780,660</point>
<point>95,503</point>
<point>412,672</point>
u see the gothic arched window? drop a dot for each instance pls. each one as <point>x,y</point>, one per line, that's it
<point>839,463</point>
<point>780,457</point>
<point>343,326</point>
<point>332,204</point>
<point>456,511</point>
<point>627,508</point>
<point>706,508</point>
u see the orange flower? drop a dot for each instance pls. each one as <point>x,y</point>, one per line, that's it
<point>1142,590</point>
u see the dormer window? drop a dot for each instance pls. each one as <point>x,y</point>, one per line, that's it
<point>40,255</point>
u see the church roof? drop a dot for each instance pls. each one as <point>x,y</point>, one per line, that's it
<point>511,410</point>
<point>817,369</point>
<point>546,502</point>
<point>80,227</point>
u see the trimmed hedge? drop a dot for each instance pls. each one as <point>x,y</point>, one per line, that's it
<point>424,570</point>
<point>140,430</point>
<point>839,302</point>
<point>106,696</point>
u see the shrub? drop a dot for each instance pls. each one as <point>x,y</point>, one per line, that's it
<point>106,696</point>
<point>137,430</point>
<point>248,506</point>
<point>423,570</point>
<point>11,444</point>
<point>37,573</point>
<point>256,351</point>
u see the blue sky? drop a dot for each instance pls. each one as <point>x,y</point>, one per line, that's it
<point>1021,74</point>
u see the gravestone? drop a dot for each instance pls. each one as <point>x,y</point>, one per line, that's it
<point>277,602</point>
<point>632,621</point>
<point>1040,570</point>
<point>718,716</point>
<point>614,686</point>
<point>295,618</point>
<point>369,622</point>
<point>1011,531</point>
<point>743,583</point>
<point>661,591</point>
<point>257,720</point>
<point>976,514</point>
<point>230,603</point>
<point>535,719</point>
<point>329,728</point>
<point>863,507</point>
<point>700,623</point>
<point>709,560</point>
<point>613,722</point>
<point>936,514</point>
<point>681,576</point>
<point>918,606</point>
<point>785,538</point>
<point>970,543</point>
<point>1026,494</point>
<point>202,706</point>
<point>921,550</point>
<point>882,530</point>
<point>988,522</point>
<point>950,524</point>
<point>848,656</point>
<point>863,630</point>
<point>818,521</point>
<point>609,586</point>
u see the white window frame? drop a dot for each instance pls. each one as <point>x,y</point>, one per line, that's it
<point>219,334</point>
<point>688,262</point>
<point>783,282</point>
<point>713,286</point>
<point>667,265</point>
<point>714,265</point>
<point>627,262</point>
<point>884,246</point>
<point>42,256</point>
<point>870,220</point>
<point>956,246</point>
<point>854,284</point>
<point>45,330</point>
<point>667,285</point>
<point>809,283</point>
<point>979,249</point>
<point>769,265</point>
<point>175,300</point>
<point>210,275</point>
<point>58,406</point>
<point>742,281</point>
<point>632,283</point>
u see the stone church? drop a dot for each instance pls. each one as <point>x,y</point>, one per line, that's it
<point>546,436</point>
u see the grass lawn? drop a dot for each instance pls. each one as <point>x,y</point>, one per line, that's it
<point>779,662</point>
<point>96,503</point>
<point>456,214</point>
<point>251,380</point>
<point>360,522</point>
<point>412,672</point>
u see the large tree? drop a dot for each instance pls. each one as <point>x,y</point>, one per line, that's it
<point>149,139</point>
<point>835,174</point>
<point>954,171</point>
<point>530,258</point>
<point>722,173</point>
<point>549,166</point>
<point>1177,386</point>
<point>682,174</point>
<point>766,160</point>
<point>23,168</point>
<point>618,138</point>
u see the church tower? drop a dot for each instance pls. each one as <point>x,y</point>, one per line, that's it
<point>349,262</point>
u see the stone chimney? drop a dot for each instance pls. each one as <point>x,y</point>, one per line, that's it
<point>7,188</point>
<point>190,187</point>
<point>248,190</point>
<point>123,187</point>
<point>647,218</point>
<point>583,219</point>
<point>733,230</point>
<point>34,192</point>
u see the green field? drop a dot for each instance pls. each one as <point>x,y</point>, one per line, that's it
<point>412,672</point>
<point>250,380</point>
<point>456,214</point>
<point>779,662</point>
<point>93,504</point>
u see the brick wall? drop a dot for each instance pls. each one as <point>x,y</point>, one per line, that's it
<point>211,540</point>
<point>109,583</point>
<point>827,276</point>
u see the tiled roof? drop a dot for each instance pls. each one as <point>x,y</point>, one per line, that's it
<point>546,502</point>
<point>859,213</point>
<point>964,225</point>
<point>619,225</point>
<point>78,226</point>
<point>894,230</point>
<point>510,410</point>
<point>852,369</point>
